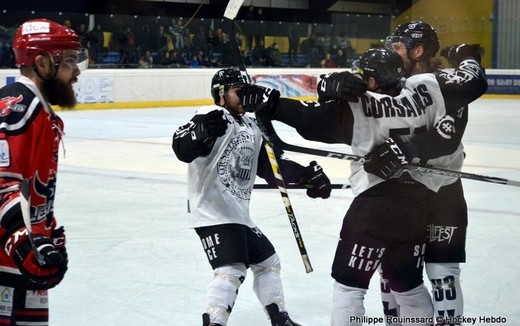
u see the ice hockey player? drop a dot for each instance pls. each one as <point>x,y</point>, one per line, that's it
<point>417,43</point>
<point>223,147</point>
<point>364,124</point>
<point>49,57</point>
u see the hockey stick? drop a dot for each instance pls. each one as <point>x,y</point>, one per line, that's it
<point>230,14</point>
<point>25,205</point>
<point>275,139</point>
<point>296,186</point>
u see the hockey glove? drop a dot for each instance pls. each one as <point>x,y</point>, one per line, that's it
<point>455,54</point>
<point>316,181</point>
<point>211,125</point>
<point>254,98</point>
<point>19,249</point>
<point>59,240</point>
<point>387,160</point>
<point>340,86</point>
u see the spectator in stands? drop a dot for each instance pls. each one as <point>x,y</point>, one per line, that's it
<point>259,54</point>
<point>174,59</point>
<point>308,48</point>
<point>81,31</point>
<point>130,52</point>
<point>227,58</point>
<point>96,39</point>
<point>274,57</point>
<point>176,30</point>
<point>212,41</point>
<point>328,62</point>
<point>120,41</point>
<point>143,35</point>
<point>246,57</point>
<point>187,40</point>
<point>200,40</point>
<point>146,60</point>
<point>158,41</point>
<point>167,59</point>
<point>341,59</point>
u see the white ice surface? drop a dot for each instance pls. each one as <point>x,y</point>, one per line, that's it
<point>122,198</point>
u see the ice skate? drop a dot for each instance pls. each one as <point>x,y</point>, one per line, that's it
<point>205,321</point>
<point>279,318</point>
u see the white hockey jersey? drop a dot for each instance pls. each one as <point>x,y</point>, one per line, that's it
<point>417,109</point>
<point>220,183</point>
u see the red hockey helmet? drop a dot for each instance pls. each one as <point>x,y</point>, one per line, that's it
<point>42,35</point>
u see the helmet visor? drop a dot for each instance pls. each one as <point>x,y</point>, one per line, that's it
<point>356,67</point>
<point>75,59</point>
<point>397,42</point>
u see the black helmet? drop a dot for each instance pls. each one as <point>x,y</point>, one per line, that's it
<point>223,80</point>
<point>384,65</point>
<point>413,33</point>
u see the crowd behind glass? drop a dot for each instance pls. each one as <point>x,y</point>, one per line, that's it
<point>177,42</point>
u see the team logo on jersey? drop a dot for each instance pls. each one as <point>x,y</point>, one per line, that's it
<point>441,233</point>
<point>44,201</point>
<point>446,127</point>
<point>10,104</point>
<point>234,167</point>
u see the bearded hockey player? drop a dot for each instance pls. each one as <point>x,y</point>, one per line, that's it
<point>223,147</point>
<point>50,58</point>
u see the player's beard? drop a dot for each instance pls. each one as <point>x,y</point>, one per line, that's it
<point>59,93</point>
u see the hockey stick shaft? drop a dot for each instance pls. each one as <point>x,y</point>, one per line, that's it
<point>464,175</point>
<point>295,186</point>
<point>288,208</point>
<point>360,159</point>
<point>230,14</point>
<point>410,167</point>
<point>25,200</point>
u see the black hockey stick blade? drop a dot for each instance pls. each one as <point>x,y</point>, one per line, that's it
<point>295,186</point>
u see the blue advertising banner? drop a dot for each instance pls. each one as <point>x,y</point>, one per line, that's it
<point>503,84</point>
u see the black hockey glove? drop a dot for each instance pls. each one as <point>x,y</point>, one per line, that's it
<point>210,125</point>
<point>387,160</point>
<point>316,181</point>
<point>254,98</point>
<point>455,54</point>
<point>340,86</point>
<point>48,274</point>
